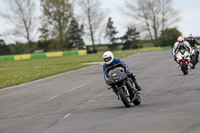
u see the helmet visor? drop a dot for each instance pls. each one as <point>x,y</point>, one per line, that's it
<point>107,59</point>
<point>181,43</point>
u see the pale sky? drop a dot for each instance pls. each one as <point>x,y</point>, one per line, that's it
<point>189,10</point>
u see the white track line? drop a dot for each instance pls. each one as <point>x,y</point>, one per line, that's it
<point>77,87</point>
<point>66,116</point>
<point>68,91</point>
<point>54,97</point>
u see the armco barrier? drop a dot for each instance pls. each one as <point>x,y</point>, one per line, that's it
<point>82,52</point>
<point>34,56</point>
<point>7,58</point>
<point>22,57</point>
<point>54,54</point>
<point>2,58</point>
<point>43,55</point>
<point>70,53</point>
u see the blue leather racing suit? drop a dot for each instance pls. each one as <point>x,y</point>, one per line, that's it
<point>114,62</point>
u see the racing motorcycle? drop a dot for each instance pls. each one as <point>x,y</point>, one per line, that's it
<point>183,59</point>
<point>194,55</point>
<point>122,85</point>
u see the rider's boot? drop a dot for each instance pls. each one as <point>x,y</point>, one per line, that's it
<point>136,84</point>
<point>197,56</point>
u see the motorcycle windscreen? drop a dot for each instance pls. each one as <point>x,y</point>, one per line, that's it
<point>116,75</point>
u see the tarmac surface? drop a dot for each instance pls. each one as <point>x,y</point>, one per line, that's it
<point>79,102</point>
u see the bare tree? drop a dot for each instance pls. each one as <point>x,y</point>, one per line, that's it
<point>153,15</point>
<point>21,14</point>
<point>92,16</point>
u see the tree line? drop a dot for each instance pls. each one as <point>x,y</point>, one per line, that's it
<point>63,29</point>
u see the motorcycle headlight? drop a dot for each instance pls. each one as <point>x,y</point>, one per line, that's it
<point>179,57</point>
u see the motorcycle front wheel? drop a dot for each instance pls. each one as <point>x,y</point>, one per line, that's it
<point>124,98</point>
<point>184,68</point>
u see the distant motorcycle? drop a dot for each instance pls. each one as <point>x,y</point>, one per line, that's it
<point>183,59</point>
<point>194,58</point>
<point>122,85</point>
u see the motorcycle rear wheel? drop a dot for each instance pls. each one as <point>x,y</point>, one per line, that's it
<point>137,101</point>
<point>193,61</point>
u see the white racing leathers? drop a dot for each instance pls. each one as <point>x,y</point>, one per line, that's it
<point>186,45</point>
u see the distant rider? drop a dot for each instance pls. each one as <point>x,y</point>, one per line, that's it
<point>110,61</point>
<point>181,44</point>
<point>193,43</point>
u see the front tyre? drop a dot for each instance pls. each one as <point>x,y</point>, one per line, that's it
<point>124,98</point>
<point>184,68</point>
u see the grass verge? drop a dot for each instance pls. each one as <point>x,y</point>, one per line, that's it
<point>22,71</point>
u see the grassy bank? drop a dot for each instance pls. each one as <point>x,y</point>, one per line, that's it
<point>22,71</point>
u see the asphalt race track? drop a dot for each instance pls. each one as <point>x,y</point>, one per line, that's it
<point>79,102</point>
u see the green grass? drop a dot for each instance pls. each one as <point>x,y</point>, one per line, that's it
<point>18,72</point>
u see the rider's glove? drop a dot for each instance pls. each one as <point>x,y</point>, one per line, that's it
<point>174,58</point>
<point>106,81</point>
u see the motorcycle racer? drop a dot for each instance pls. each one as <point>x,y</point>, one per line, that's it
<point>193,43</point>
<point>110,61</point>
<point>181,44</point>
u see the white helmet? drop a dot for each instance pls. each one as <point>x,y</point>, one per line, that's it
<point>190,37</point>
<point>180,40</point>
<point>108,57</point>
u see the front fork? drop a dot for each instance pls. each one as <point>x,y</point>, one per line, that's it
<point>116,89</point>
<point>125,90</point>
<point>129,88</point>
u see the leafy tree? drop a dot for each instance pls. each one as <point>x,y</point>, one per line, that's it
<point>55,45</point>
<point>43,44</point>
<point>18,48</point>
<point>111,33</point>
<point>75,35</point>
<point>169,36</point>
<point>44,33</point>
<point>4,49</point>
<point>130,39</point>
<point>58,14</point>
<point>44,41</point>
